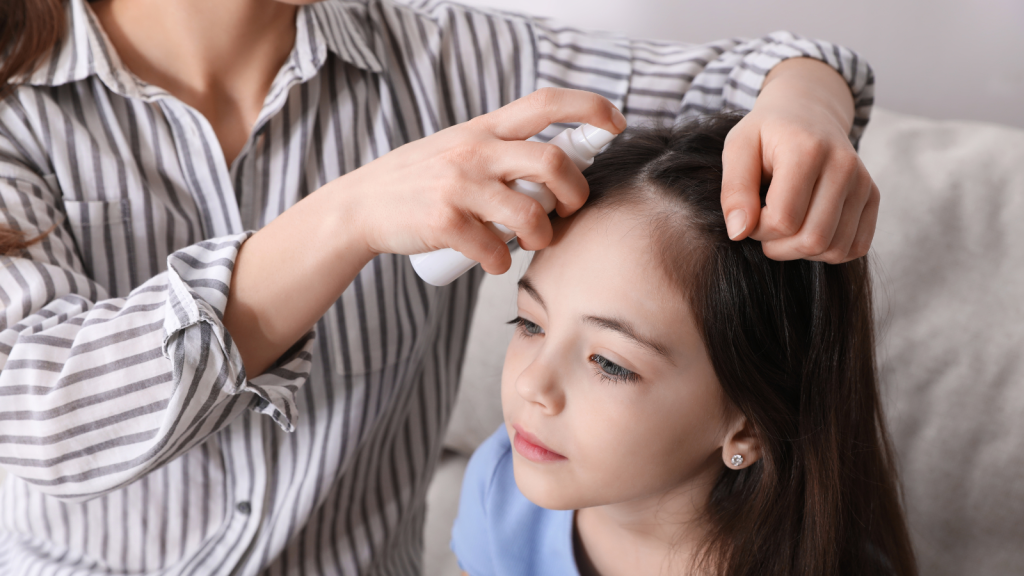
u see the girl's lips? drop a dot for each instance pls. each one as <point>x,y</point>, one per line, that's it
<point>532,449</point>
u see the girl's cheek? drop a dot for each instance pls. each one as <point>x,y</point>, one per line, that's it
<point>516,358</point>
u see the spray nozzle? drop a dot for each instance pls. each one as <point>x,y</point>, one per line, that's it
<point>593,137</point>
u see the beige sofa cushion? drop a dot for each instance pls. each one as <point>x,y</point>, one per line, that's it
<point>950,291</point>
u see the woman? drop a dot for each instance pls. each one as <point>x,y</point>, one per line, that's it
<point>145,337</point>
<point>677,403</point>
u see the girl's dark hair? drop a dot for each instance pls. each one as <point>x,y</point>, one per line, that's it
<point>29,30</point>
<point>792,344</point>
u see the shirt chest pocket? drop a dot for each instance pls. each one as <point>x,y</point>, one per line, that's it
<point>103,234</point>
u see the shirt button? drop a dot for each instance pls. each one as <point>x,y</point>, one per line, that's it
<point>243,508</point>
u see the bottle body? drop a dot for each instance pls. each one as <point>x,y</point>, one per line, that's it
<point>442,267</point>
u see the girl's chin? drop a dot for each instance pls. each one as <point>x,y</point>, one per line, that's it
<point>547,489</point>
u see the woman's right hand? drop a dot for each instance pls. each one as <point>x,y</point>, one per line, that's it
<point>434,193</point>
<point>438,192</point>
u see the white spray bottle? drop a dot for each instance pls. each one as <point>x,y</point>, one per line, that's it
<point>441,267</point>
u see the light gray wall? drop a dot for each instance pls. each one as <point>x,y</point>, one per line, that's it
<point>938,58</point>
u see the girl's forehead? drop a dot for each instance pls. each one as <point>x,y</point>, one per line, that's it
<point>609,240</point>
<point>603,261</point>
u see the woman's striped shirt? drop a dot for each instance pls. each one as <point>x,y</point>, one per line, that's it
<point>134,440</point>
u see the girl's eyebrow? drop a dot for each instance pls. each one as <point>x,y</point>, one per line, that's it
<point>527,286</point>
<point>621,326</point>
<point>626,329</point>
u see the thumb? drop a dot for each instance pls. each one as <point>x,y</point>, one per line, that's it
<point>741,181</point>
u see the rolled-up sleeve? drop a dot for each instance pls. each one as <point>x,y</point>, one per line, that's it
<point>664,81</point>
<point>650,81</point>
<point>96,391</point>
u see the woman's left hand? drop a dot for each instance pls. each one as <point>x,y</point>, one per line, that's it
<point>822,203</point>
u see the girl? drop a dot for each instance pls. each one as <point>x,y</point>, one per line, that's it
<point>676,403</point>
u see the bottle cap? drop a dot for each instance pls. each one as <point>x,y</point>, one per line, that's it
<point>596,137</point>
<point>589,140</point>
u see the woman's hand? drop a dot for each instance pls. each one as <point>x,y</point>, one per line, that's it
<point>822,203</point>
<point>438,192</point>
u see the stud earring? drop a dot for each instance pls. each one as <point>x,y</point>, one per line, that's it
<point>737,460</point>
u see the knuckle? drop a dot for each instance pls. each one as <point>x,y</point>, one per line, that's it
<point>737,194</point>
<point>783,223</point>
<point>482,122</point>
<point>774,251</point>
<point>596,103</point>
<point>448,185</point>
<point>525,217</point>
<point>545,98</point>
<point>462,155</point>
<point>538,238</point>
<point>552,159</point>
<point>495,259</point>
<point>861,193</point>
<point>575,200</point>
<point>847,164</point>
<point>858,249</point>
<point>533,216</point>
<point>875,197</point>
<point>811,146</point>
<point>834,256</point>
<point>739,134</point>
<point>451,220</point>
<point>812,243</point>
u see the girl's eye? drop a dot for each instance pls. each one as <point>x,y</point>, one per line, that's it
<point>612,371</point>
<point>525,327</point>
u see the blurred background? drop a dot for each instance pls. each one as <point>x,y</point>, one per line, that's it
<point>945,59</point>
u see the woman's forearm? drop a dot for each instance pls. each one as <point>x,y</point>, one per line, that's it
<point>289,273</point>
<point>810,82</point>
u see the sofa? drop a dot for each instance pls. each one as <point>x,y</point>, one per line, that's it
<point>949,290</point>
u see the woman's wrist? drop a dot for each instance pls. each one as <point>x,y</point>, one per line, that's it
<point>289,273</point>
<point>340,225</point>
<point>809,82</point>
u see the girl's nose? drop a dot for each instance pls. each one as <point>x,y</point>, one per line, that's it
<point>539,385</point>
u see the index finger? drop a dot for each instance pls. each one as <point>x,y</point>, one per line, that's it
<point>525,117</point>
<point>741,180</point>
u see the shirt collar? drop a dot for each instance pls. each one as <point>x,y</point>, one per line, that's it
<point>344,28</point>
<point>347,30</point>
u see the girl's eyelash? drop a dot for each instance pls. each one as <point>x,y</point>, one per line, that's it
<point>611,371</point>
<point>604,367</point>
<point>525,327</point>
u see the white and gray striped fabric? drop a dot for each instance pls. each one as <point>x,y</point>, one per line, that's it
<point>134,441</point>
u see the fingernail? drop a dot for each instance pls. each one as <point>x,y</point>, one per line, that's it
<point>735,222</point>
<point>618,119</point>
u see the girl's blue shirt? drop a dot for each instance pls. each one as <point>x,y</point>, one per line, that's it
<point>498,532</point>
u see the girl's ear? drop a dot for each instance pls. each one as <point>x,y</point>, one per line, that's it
<point>741,447</point>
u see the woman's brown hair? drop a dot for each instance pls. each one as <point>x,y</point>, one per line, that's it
<point>29,30</point>
<point>792,344</point>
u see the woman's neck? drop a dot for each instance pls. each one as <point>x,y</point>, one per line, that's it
<point>657,534</point>
<point>220,57</point>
